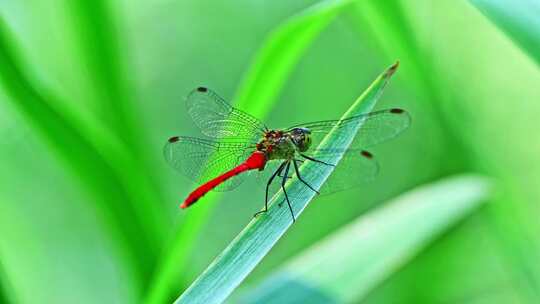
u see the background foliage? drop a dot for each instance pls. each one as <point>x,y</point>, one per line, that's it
<point>90,90</point>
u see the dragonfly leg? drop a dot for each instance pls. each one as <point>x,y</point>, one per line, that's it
<point>277,172</point>
<point>283,181</point>
<point>300,177</point>
<point>281,175</point>
<point>316,160</point>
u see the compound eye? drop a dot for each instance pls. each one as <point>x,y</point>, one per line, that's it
<point>300,131</point>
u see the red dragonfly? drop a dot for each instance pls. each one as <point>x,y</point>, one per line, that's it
<point>244,144</point>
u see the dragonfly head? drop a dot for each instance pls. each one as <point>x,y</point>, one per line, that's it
<point>301,138</point>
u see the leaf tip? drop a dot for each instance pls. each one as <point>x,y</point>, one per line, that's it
<point>392,69</point>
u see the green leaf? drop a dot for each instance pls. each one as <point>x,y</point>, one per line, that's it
<point>262,233</point>
<point>99,162</point>
<point>257,94</point>
<point>281,51</point>
<point>518,19</point>
<point>6,290</point>
<point>99,44</point>
<point>101,51</point>
<point>348,264</point>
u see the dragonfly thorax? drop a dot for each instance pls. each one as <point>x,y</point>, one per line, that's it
<point>278,144</point>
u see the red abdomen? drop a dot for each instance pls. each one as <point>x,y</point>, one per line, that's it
<point>257,160</point>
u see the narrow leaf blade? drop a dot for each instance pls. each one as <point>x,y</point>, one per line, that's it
<point>233,265</point>
<point>345,266</point>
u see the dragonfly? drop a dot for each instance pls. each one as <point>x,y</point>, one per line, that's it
<point>238,144</point>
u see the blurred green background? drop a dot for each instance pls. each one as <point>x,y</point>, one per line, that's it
<point>90,91</point>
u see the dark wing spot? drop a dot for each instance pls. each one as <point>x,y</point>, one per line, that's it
<point>397,111</point>
<point>202,89</point>
<point>174,139</point>
<point>366,154</point>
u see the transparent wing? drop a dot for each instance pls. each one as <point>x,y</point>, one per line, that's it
<point>218,119</point>
<point>377,127</point>
<point>357,165</point>
<point>201,160</point>
<point>354,169</point>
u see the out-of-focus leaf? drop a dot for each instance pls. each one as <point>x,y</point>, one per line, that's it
<point>101,50</point>
<point>280,53</point>
<point>481,114</point>
<point>6,295</point>
<point>93,157</point>
<point>345,266</point>
<point>519,19</point>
